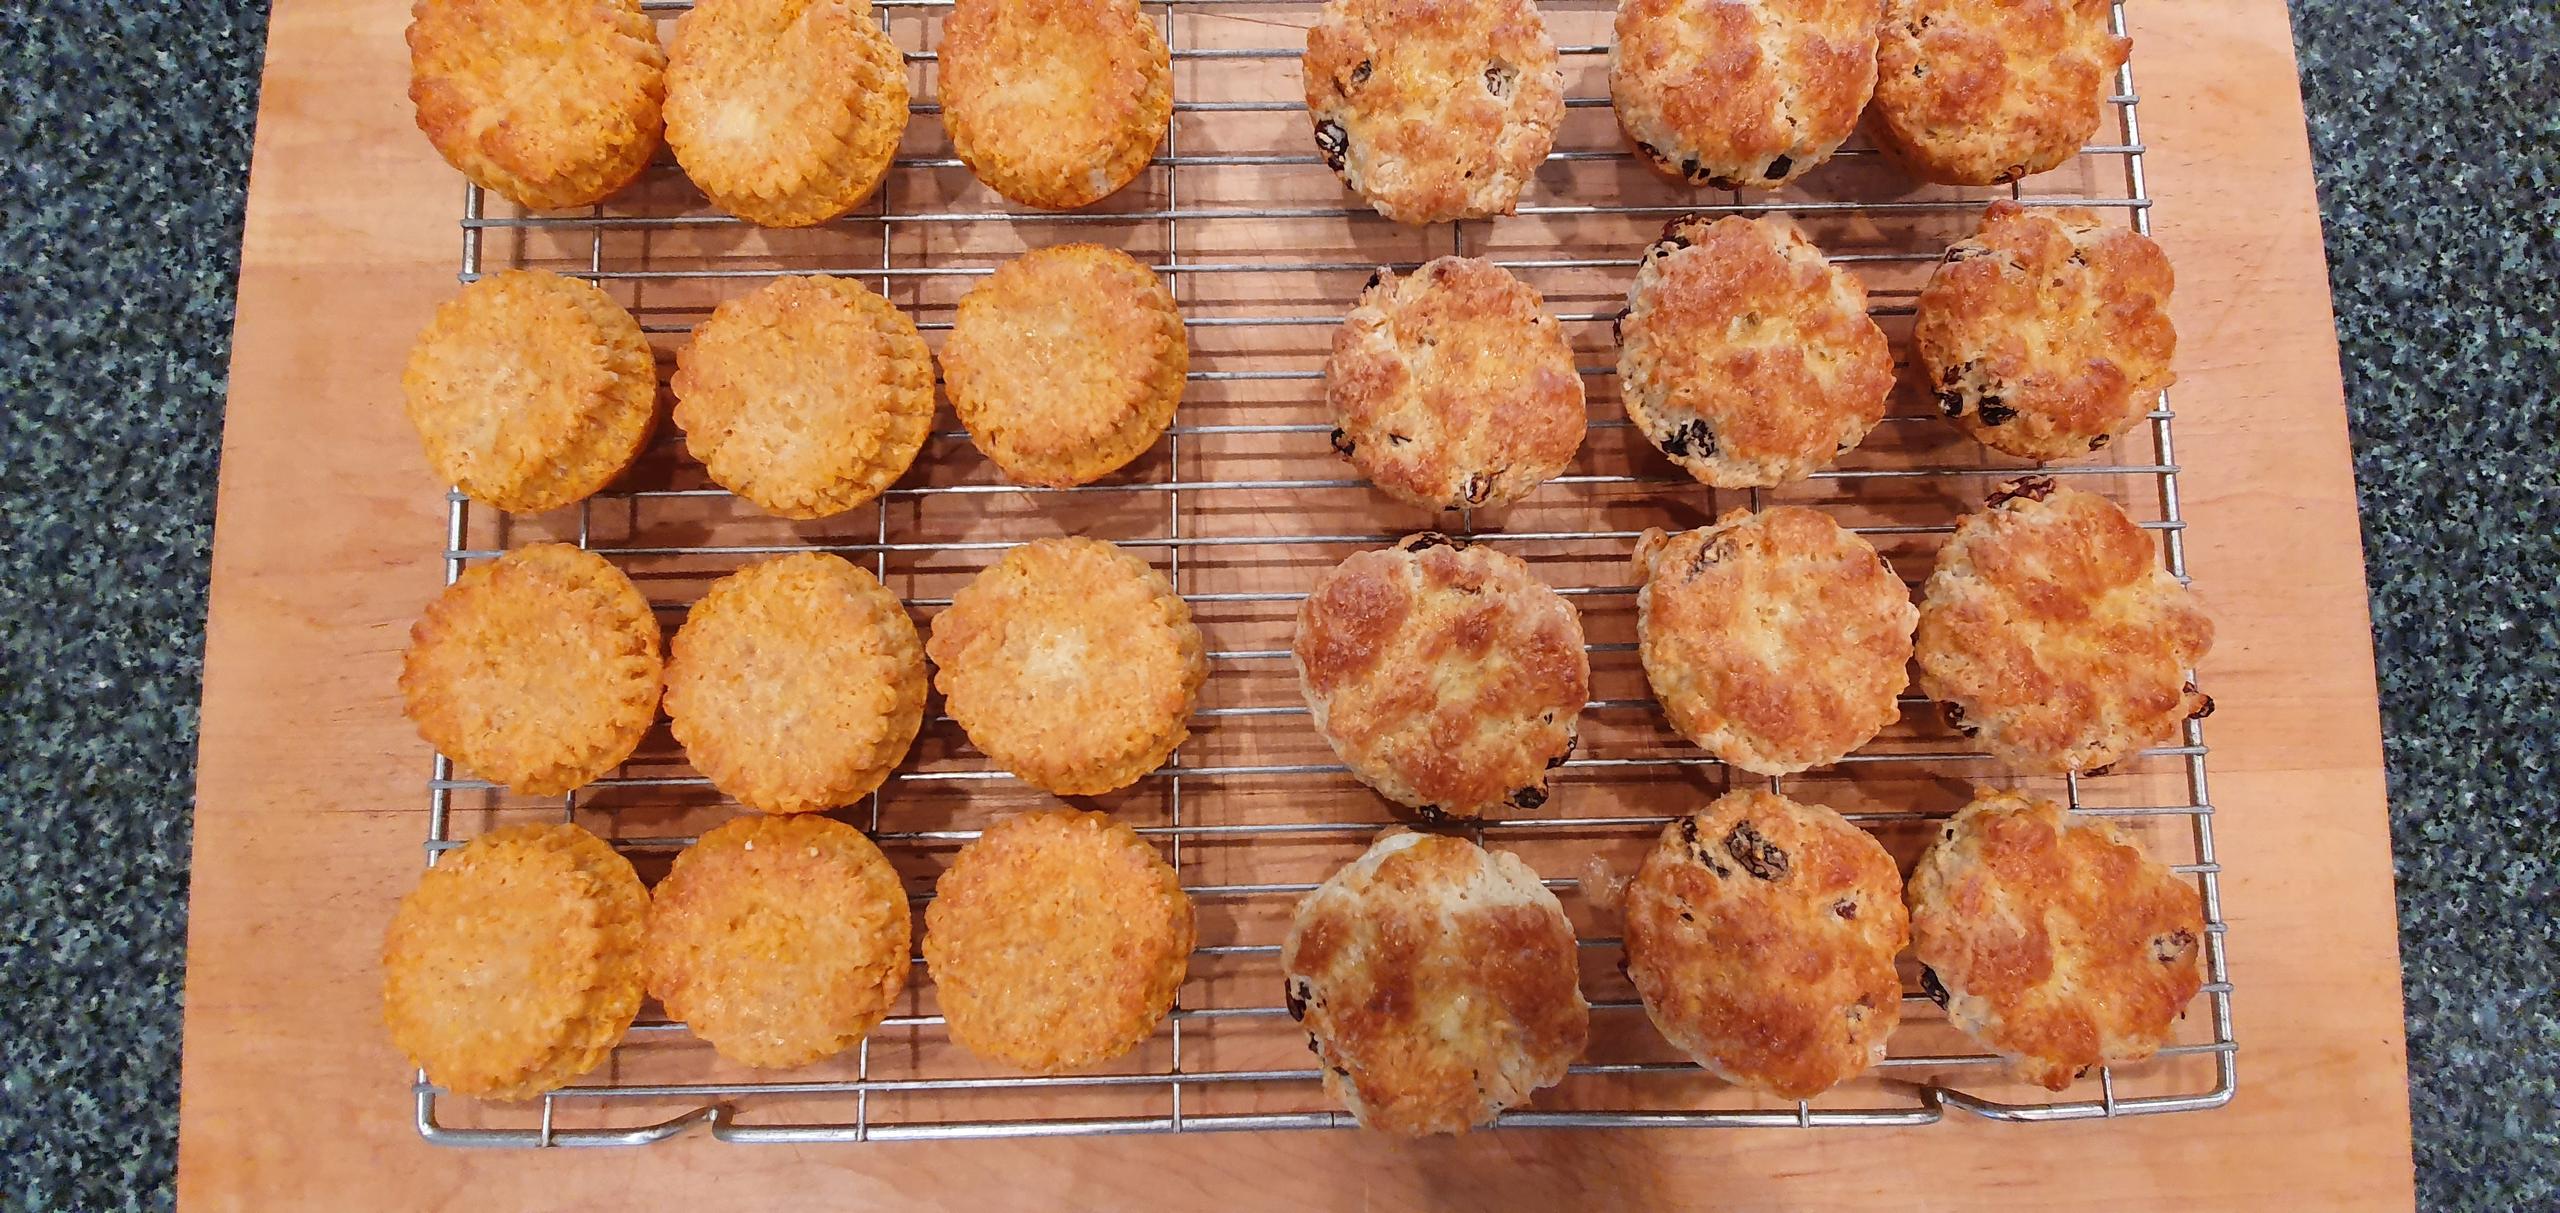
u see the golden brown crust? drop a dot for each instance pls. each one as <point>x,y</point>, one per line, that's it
<point>531,391</point>
<point>785,112</point>
<point>1447,677</point>
<point>1984,92</point>
<point>1747,358</point>
<point>807,397</point>
<point>538,670</point>
<point>1433,109</point>
<point>1438,983</point>
<point>1761,935</point>
<point>1740,94</point>
<point>2053,635</point>
<point>1054,103</point>
<point>1453,388</point>
<point>514,966</point>
<point>780,940</point>
<point>2046,334</point>
<point>1778,641</point>
<point>553,103</point>
<point>1066,363</point>
<point>1057,941</point>
<point>2057,943</point>
<point>796,683</point>
<point>1072,664</point>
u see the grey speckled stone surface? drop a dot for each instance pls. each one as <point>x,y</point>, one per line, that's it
<point>124,140</point>
<point>2436,132</point>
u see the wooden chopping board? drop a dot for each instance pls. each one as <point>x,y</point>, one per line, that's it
<point>309,807</point>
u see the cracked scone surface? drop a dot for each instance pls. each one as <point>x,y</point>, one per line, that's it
<point>1072,664</point>
<point>1438,982</point>
<point>2046,333</point>
<point>1761,934</point>
<point>2052,938</point>
<point>780,940</point>
<point>2051,634</point>
<point>1745,357</point>
<point>1057,941</point>
<point>514,966</point>
<point>796,683</point>
<point>552,103</point>
<point>1054,103</point>
<point>1776,641</point>
<point>1984,92</point>
<point>1433,110</point>
<point>531,391</point>
<point>785,112</point>
<point>538,670</point>
<point>808,396</point>
<point>1741,94</point>
<point>1446,676</point>
<point>1066,363</point>
<point>1452,388</point>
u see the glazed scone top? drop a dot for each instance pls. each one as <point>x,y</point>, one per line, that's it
<point>1453,388</point>
<point>1054,103</point>
<point>1745,356</point>
<point>1433,109</point>
<point>2052,938</point>
<point>1438,982</point>
<point>1066,363</point>
<point>1761,934</point>
<point>2046,333</point>
<point>1447,676</point>
<point>808,396</point>
<point>553,103</point>
<point>1741,93</point>
<point>1984,92</point>
<point>785,112</point>
<point>2053,634</point>
<point>1778,641</point>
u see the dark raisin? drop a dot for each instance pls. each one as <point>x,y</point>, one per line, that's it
<point>1397,440</point>
<point>1757,855</point>
<point>2033,488</point>
<point>2100,442</point>
<point>1333,143</point>
<point>1297,1000</point>
<point>1311,1047</point>
<point>2009,174</point>
<point>1500,78</point>
<point>1686,916</point>
<point>2173,947</point>
<point>1375,277</point>
<point>1341,1073</point>
<point>1697,849</point>
<point>1673,236</point>
<point>1617,326</point>
<point>1360,74</point>
<point>1654,154</point>
<point>1955,720</point>
<point>1479,488</point>
<point>2077,259</point>
<point>1691,169</point>
<point>1342,444</point>
<point>1845,908</point>
<point>1570,741</point>
<point>1778,167</point>
<point>1427,815</point>
<point>1964,252</point>
<point>1528,798</point>
<point>1430,539</point>
<point>2094,772</point>
<point>1692,437</point>
<point>1930,986</point>
<point>2202,712</point>
<point>1996,413</point>
<point>1951,402</point>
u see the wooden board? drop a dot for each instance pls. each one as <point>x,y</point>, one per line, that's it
<point>309,810</point>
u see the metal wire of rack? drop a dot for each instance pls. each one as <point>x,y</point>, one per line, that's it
<point>1243,503</point>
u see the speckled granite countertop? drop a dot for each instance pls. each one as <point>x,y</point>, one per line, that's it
<point>124,135</point>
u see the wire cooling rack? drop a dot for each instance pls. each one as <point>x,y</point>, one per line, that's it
<point>1242,505</point>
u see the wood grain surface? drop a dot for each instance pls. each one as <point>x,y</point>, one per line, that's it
<point>309,807</point>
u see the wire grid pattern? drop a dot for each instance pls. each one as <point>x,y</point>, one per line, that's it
<point>1188,1080</point>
